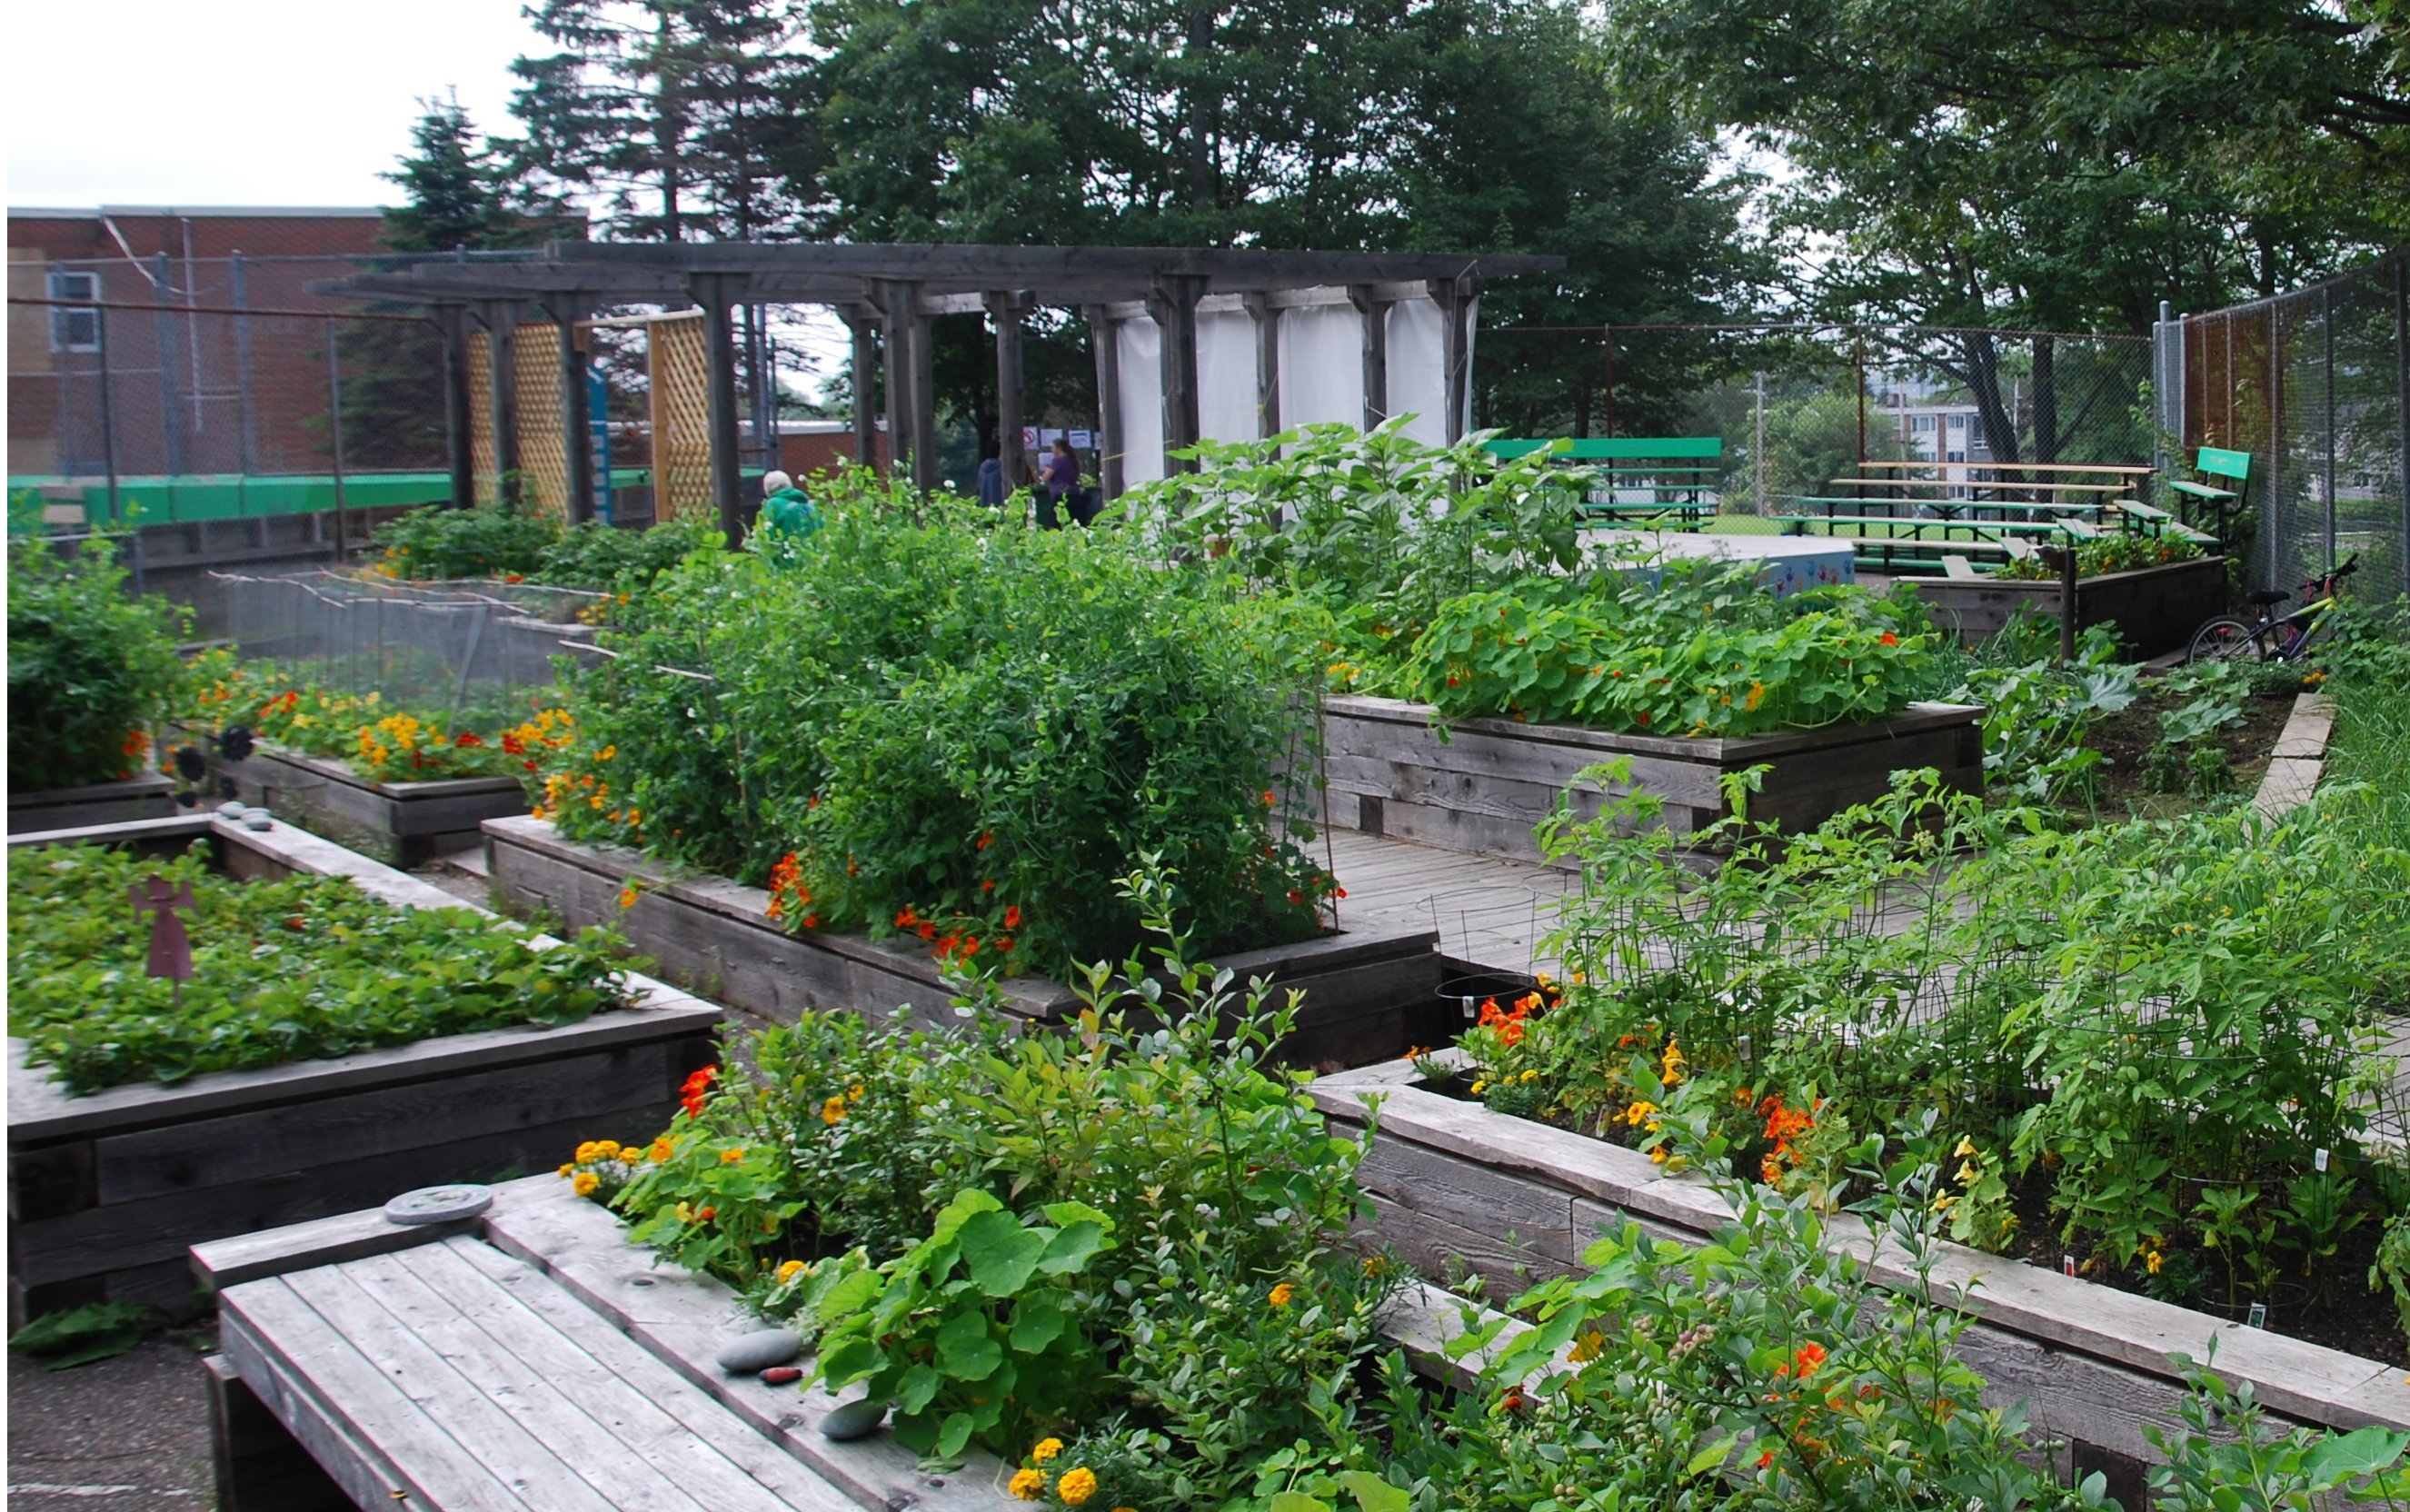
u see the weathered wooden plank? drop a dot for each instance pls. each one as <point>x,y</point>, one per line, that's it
<point>256,1463</point>
<point>148,797</point>
<point>682,1319</point>
<point>355,1421</point>
<point>713,1450</point>
<point>345,1236</point>
<point>452,1417</point>
<point>40,1111</point>
<point>619,1444</point>
<point>363,1475</point>
<point>236,1147</point>
<point>1523,1214</point>
<point>105,1239</point>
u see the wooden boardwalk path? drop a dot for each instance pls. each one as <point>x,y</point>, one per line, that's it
<point>1489,911</point>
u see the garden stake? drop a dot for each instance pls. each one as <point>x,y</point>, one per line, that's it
<point>172,949</point>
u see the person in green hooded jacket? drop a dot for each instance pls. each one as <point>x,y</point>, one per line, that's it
<point>788,512</point>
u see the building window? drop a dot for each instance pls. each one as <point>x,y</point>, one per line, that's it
<point>1921,424</point>
<point>75,330</point>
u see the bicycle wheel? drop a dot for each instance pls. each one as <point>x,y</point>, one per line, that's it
<point>2226,639</point>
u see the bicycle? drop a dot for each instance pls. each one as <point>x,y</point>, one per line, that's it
<point>2274,638</point>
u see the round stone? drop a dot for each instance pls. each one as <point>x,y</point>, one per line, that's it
<point>751,1352</point>
<point>232,808</point>
<point>257,818</point>
<point>440,1204</point>
<point>850,1421</point>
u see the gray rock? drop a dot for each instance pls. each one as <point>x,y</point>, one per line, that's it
<point>231,810</point>
<point>440,1204</point>
<point>751,1352</point>
<point>850,1421</point>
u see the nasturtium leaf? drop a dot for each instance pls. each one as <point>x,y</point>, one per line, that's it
<point>1000,1253</point>
<point>966,1349</point>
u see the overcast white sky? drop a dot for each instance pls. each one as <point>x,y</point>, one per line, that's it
<point>241,102</point>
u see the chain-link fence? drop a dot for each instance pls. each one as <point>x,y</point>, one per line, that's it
<point>2315,386</point>
<point>1800,408</point>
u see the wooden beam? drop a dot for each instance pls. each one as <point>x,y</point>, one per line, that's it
<point>1104,345</point>
<point>1456,298</point>
<point>1173,305</point>
<point>925,401</point>
<point>460,455</point>
<point>718,295</point>
<point>1007,310</point>
<point>575,436</point>
<point>865,324</point>
<point>895,369</point>
<point>502,396</point>
<point>1374,312</point>
<point>1268,394</point>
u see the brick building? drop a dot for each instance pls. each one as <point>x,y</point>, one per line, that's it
<point>193,386</point>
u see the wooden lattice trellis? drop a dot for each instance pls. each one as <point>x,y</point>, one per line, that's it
<point>681,415</point>
<point>544,455</point>
<point>481,417</point>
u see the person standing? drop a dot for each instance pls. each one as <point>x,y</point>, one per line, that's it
<point>1059,484</point>
<point>991,490</point>
<point>788,512</point>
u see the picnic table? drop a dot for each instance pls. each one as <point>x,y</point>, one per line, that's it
<point>525,1360</point>
<point>1646,480</point>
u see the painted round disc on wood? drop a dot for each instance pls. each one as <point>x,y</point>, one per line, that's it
<point>440,1204</point>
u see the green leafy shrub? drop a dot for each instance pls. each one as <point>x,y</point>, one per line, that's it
<point>494,541</point>
<point>2106,554</point>
<point>295,969</point>
<point>961,732</point>
<point>1123,1231</point>
<point>91,669</point>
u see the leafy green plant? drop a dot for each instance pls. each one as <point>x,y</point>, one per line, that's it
<point>90,668</point>
<point>956,732</point>
<point>2229,1455</point>
<point>80,1335</point>
<point>286,970</point>
<point>2037,712</point>
<point>2106,554</point>
<point>515,545</point>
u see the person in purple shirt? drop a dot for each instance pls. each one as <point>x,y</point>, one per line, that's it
<point>1061,480</point>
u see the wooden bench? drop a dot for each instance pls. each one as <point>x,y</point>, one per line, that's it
<point>1680,474</point>
<point>529,1359</point>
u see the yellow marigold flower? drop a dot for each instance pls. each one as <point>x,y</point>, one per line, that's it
<point>1076,1486</point>
<point>568,1170</point>
<point>1029,1485</point>
<point>730,1157</point>
<point>790,1271</point>
<point>2152,1261</point>
<point>832,1111</point>
<point>584,1182</point>
<point>854,1093</point>
<point>586,1152</point>
<point>605,1149</point>
<point>1282,1295</point>
<point>1046,1450</point>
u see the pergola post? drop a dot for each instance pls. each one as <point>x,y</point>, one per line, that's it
<point>460,455</point>
<point>1268,394</point>
<point>1007,309</point>
<point>717,294</point>
<point>864,323</point>
<point>1456,298</point>
<point>924,396</point>
<point>894,370</point>
<point>502,398</point>
<point>1104,344</point>
<point>1172,302</point>
<point>1375,313</point>
<point>577,434</point>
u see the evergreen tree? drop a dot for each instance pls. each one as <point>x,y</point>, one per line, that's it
<point>458,191</point>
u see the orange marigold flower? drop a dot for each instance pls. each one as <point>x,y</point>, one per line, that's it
<point>1282,1295</point>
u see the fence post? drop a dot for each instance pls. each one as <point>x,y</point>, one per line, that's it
<point>2402,398</point>
<point>171,440</point>
<point>242,367</point>
<point>335,432</point>
<point>2326,325</point>
<point>2066,604</point>
<point>107,414</point>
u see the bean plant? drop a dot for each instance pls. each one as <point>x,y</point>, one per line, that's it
<point>91,667</point>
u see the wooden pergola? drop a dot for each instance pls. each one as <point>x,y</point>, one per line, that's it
<point>888,294</point>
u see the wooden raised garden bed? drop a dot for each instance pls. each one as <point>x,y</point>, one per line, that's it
<point>104,803</point>
<point>2156,609</point>
<point>1483,787</point>
<point>1363,989</point>
<point>107,1191</point>
<point>402,823</point>
<point>1518,1201</point>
